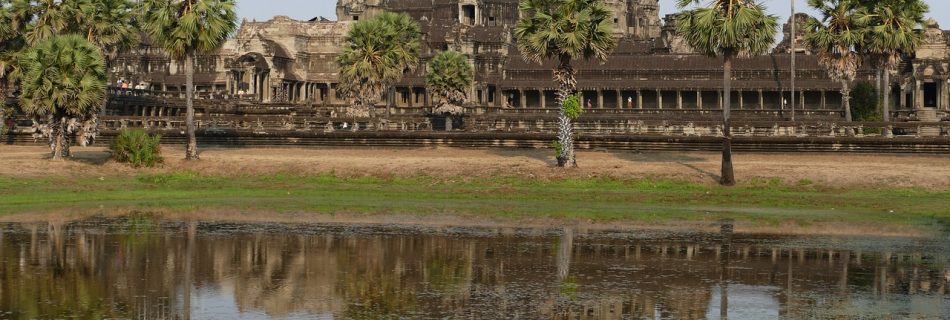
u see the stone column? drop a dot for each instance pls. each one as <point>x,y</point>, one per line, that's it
<point>741,99</point>
<point>918,95</point>
<point>639,99</point>
<point>801,97</point>
<point>679,99</point>
<point>522,102</point>
<point>719,94</point>
<point>761,100</point>
<point>331,94</point>
<point>600,99</point>
<point>544,100</point>
<point>699,99</point>
<point>619,99</point>
<point>659,99</point>
<point>824,102</point>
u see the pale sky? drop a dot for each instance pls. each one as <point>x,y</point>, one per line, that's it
<point>307,9</point>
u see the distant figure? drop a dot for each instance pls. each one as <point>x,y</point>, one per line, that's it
<point>630,102</point>
<point>118,83</point>
<point>346,125</point>
<point>588,104</point>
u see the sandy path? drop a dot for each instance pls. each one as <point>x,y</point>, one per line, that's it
<point>932,172</point>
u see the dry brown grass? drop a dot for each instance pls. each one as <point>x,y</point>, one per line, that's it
<point>834,170</point>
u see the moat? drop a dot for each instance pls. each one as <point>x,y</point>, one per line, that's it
<point>144,267</point>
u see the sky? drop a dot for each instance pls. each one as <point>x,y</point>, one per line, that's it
<point>307,9</point>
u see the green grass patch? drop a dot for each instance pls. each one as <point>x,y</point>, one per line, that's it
<point>764,201</point>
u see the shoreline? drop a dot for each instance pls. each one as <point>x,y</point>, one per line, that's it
<point>481,222</point>
<point>777,193</point>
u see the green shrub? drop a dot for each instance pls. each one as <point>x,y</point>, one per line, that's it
<point>864,102</point>
<point>557,148</point>
<point>137,148</point>
<point>573,107</point>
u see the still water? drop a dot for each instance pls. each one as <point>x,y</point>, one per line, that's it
<point>142,267</point>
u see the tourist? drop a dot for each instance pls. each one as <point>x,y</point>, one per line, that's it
<point>630,102</point>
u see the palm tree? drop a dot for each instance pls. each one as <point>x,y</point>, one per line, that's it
<point>838,37</point>
<point>185,28</point>
<point>108,24</point>
<point>376,54</point>
<point>61,77</point>
<point>448,78</point>
<point>112,26</point>
<point>727,28</point>
<point>895,29</point>
<point>564,31</point>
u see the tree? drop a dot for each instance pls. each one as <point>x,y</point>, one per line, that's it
<point>838,37</point>
<point>448,78</point>
<point>895,29</point>
<point>108,24</point>
<point>61,78</point>
<point>564,31</point>
<point>727,29</point>
<point>376,54</point>
<point>185,28</point>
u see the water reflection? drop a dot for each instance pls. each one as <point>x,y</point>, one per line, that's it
<point>143,268</point>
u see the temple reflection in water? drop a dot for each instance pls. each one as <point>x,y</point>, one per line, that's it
<point>144,268</point>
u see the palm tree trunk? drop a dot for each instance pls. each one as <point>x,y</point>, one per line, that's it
<point>878,88</point>
<point>846,100</point>
<point>58,134</point>
<point>886,107</point>
<point>728,177</point>
<point>567,84</point>
<point>191,150</point>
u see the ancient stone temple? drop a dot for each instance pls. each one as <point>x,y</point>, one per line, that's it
<point>287,61</point>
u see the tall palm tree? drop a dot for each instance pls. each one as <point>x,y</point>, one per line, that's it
<point>730,29</point>
<point>838,37</point>
<point>112,26</point>
<point>564,31</point>
<point>895,29</point>
<point>185,28</point>
<point>61,77</point>
<point>448,78</point>
<point>376,54</point>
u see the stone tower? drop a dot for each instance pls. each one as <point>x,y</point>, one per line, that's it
<point>354,10</point>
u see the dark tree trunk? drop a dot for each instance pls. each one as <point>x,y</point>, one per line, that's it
<point>191,150</point>
<point>846,100</point>
<point>728,178</point>
<point>58,135</point>
<point>567,84</point>
<point>886,107</point>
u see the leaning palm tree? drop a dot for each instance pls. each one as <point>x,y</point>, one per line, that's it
<point>61,78</point>
<point>376,54</point>
<point>185,28</point>
<point>838,37</point>
<point>895,30</point>
<point>448,78</point>
<point>730,29</point>
<point>564,31</point>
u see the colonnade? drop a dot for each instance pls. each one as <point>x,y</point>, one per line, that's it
<point>676,99</point>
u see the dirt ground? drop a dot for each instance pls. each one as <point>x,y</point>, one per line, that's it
<point>838,170</point>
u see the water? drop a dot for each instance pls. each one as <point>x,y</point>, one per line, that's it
<point>146,268</point>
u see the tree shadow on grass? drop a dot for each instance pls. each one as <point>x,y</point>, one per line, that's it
<point>668,157</point>
<point>96,158</point>
<point>543,155</point>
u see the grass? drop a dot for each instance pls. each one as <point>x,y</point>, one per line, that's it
<point>762,201</point>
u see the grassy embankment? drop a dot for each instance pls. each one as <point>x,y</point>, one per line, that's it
<point>760,202</point>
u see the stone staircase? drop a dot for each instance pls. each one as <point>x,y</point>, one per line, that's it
<point>928,116</point>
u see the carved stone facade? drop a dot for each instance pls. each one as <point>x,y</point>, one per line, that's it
<point>284,60</point>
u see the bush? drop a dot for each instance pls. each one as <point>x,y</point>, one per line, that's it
<point>864,102</point>
<point>137,148</point>
<point>573,107</point>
